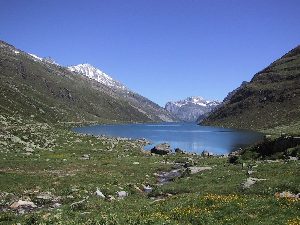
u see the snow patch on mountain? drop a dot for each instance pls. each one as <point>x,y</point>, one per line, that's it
<point>96,74</point>
<point>36,57</point>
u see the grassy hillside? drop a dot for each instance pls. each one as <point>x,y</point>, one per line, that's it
<point>271,100</point>
<point>60,171</point>
<point>53,173</point>
<point>50,93</point>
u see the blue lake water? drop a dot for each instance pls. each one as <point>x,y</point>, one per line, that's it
<point>187,136</point>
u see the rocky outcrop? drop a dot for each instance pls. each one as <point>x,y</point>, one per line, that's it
<point>161,149</point>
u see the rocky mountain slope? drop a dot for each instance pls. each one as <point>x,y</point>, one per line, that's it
<point>96,74</point>
<point>34,87</point>
<point>271,99</point>
<point>192,108</point>
<point>117,89</point>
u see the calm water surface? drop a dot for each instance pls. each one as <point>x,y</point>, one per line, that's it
<point>186,136</point>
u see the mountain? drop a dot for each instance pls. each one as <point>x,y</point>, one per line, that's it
<point>96,74</point>
<point>115,88</point>
<point>230,94</point>
<point>38,88</point>
<point>191,109</point>
<point>271,99</point>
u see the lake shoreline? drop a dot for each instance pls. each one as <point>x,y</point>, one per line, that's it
<point>188,137</point>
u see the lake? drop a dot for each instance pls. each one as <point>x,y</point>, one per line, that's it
<point>187,136</point>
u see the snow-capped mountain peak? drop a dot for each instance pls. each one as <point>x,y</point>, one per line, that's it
<point>196,100</point>
<point>191,108</point>
<point>92,72</point>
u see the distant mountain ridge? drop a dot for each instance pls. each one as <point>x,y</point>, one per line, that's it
<point>191,109</point>
<point>271,99</point>
<point>36,87</point>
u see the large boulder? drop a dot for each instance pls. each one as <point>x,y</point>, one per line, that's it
<point>161,149</point>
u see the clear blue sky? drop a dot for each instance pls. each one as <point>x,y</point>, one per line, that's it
<point>162,49</point>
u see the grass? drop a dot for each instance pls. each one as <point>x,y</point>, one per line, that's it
<point>56,166</point>
<point>46,159</point>
<point>270,100</point>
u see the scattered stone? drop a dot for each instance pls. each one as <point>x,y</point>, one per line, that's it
<point>234,156</point>
<point>250,181</point>
<point>21,204</point>
<point>205,154</point>
<point>99,193</point>
<point>249,172</point>
<point>179,151</point>
<point>188,164</point>
<point>27,153</point>
<point>110,198</point>
<point>161,149</point>
<point>157,200</point>
<point>78,205</point>
<point>56,205</point>
<point>291,158</point>
<point>166,177</point>
<point>85,157</point>
<point>287,194</point>
<point>138,189</point>
<point>147,189</point>
<point>122,194</point>
<point>44,196</point>
<point>198,169</point>
<point>28,149</point>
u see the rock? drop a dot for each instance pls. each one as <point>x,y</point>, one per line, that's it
<point>110,198</point>
<point>122,194</point>
<point>158,200</point>
<point>138,189</point>
<point>166,177</point>
<point>287,194</point>
<point>205,154</point>
<point>249,172</point>
<point>233,159</point>
<point>44,196</point>
<point>99,193</point>
<point>291,158</point>
<point>78,205</point>
<point>188,164</point>
<point>250,181</point>
<point>179,151</point>
<point>85,157</point>
<point>147,189</point>
<point>198,169</point>
<point>136,163</point>
<point>27,153</point>
<point>28,149</point>
<point>21,204</point>
<point>161,149</point>
<point>56,205</point>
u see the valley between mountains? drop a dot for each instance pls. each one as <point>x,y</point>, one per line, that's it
<point>51,175</point>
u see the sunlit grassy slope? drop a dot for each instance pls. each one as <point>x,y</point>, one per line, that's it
<point>270,100</point>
